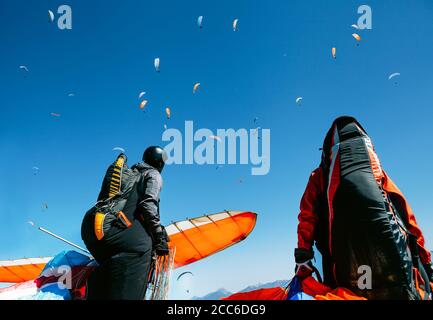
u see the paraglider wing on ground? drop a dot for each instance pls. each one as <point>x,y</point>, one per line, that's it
<point>194,240</point>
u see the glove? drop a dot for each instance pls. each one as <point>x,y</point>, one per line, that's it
<point>161,242</point>
<point>304,266</point>
<point>161,248</point>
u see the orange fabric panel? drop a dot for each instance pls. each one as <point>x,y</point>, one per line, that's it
<point>319,291</point>
<point>20,273</point>
<point>202,241</point>
<point>339,294</point>
<point>276,293</point>
<point>375,166</point>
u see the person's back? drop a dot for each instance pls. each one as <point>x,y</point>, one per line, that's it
<point>348,210</point>
<point>128,231</point>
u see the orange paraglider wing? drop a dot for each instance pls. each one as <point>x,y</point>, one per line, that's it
<point>22,270</point>
<point>201,237</point>
<point>194,240</point>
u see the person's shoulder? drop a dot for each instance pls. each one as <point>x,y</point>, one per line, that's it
<point>148,171</point>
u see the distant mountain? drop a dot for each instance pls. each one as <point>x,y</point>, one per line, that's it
<point>277,283</point>
<point>221,293</point>
<point>216,295</point>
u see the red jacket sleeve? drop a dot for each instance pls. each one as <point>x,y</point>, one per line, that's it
<point>308,215</point>
<point>411,223</point>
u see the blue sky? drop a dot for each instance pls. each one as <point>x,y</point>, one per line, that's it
<point>282,50</point>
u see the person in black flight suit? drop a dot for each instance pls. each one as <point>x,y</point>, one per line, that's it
<point>124,275</point>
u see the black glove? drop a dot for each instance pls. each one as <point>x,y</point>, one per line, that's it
<point>161,242</point>
<point>304,266</point>
<point>161,248</point>
<point>303,255</point>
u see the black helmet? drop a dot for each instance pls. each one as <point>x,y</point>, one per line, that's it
<point>155,157</point>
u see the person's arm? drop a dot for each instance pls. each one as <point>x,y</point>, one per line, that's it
<point>308,210</point>
<point>308,218</point>
<point>150,188</point>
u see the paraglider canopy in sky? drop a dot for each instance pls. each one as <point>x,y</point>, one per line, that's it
<point>50,16</point>
<point>356,36</point>
<point>393,75</point>
<point>156,63</point>
<point>183,274</point>
<point>216,138</point>
<point>143,104</point>
<point>235,24</point>
<point>200,22</point>
<point>195,88</point>
<point>119,149</point>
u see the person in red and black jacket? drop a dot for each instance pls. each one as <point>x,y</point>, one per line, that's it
<point>356,216</point>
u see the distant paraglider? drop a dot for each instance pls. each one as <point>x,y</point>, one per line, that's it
<point>195,88</point>
<point>35,171</point>
<point>71,94</point>
<point>216,138</point>
<point>55,115</point>
<point>356,36</point>
<point>235,24</point>
<point>200,22</point>
<point>25,69</point>
<point>355,26</point>
<point>31,223</point>
<point>393,75</point>
<point>142,93</point>
<point>256,132</point>
<point>121,150</point>
<point>334,53</point>
<point>143,104</point>
<point>168,112</point>
<point>156,63</point>
<point>185,278</point>
<point>183,274</point>
<point>50,16</point>
<point>299,100</point>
